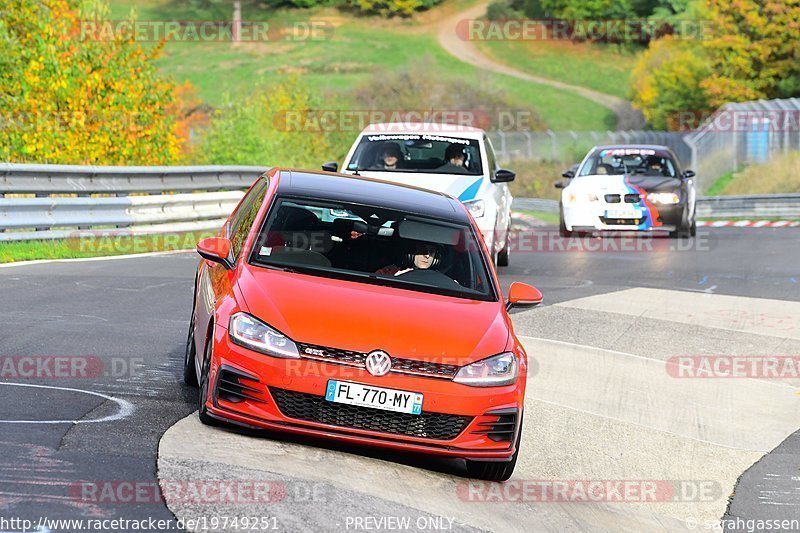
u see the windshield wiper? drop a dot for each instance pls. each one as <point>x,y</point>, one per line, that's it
<point>282,268</point>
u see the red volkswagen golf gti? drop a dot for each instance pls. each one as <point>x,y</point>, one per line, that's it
<point>361,311</point>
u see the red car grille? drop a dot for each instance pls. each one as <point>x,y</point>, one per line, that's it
<point>314,408</point>
<point>401,366</point>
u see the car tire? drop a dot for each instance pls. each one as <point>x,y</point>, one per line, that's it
<point>189,371</point>
<point>503,255</point>
<point>684,231</point>
<point>693,228</point>
<point>492,470</point>
<point>202,410</point>
<point>562,226</point>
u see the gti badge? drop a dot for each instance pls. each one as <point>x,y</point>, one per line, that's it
<point>378,363</point>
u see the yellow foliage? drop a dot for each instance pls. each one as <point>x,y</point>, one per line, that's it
<point>67,98</point>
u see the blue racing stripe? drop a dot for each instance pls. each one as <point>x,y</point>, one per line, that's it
<point>471,191</point>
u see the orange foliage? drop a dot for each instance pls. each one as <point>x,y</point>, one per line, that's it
<point>68,98</point>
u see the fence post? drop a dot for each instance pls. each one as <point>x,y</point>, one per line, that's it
<point>785,136</point>
<point>553,147</point>
<point>529,138</point>
<point>236,31</point>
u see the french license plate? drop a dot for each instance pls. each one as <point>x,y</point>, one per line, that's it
<point>375,397</point>
<point>623,213</point>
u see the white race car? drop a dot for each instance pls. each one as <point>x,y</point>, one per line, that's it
<point>456,160</point>
<point>628,188</point>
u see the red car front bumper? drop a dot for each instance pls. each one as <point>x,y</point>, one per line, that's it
<point>256,390</point>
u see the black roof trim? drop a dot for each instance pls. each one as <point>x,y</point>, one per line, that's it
<point>369,191</point>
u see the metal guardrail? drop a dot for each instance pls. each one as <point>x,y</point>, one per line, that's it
<point>111,200</point>
<point>751,206</point>
<point>535,204</point>
<point>86,180</point>
<point>56,217</point>
<point>47,216</point>
<point>719,207</point>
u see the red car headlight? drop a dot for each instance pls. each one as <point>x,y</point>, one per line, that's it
<point>250,332</point>
<point>495,371</point>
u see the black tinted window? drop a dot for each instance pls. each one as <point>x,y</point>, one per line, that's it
<point>246,215</point>
<point>374,245</point>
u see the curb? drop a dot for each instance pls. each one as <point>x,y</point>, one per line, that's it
<point>747,223</point>
<point>522,221</point>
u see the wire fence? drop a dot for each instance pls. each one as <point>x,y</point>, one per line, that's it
<point>744,133</point>
<point>734,136</point>
<point>571,146</point>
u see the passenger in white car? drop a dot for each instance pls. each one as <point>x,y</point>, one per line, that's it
<point>454,155</point>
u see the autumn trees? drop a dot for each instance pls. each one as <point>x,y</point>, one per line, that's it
<point>749,49</point>
<point>66,98</point>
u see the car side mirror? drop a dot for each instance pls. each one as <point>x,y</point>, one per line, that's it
<point>523,295</point>
<point>216,250</point>
<point>568,173</point>
<point>688,174</point>
<point>560,185</point>
<point>330,166</point>
<point>503,176</point>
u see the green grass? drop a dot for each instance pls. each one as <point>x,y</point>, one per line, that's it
<point>97,246</point>
<point>751,219</point>
<point>718,186</point>
<point>536,179</point>
<point>604,68</point>
<point>780,175</point>
<point>544,216</point>
<point>357,48</point>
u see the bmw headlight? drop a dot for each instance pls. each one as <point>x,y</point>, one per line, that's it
<point>663,198</point>
<point>581,197</point>
<point>476,208</point>
<point>250,332</point>
<point>494,371</point>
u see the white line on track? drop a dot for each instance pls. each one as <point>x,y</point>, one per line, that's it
<point>101,258</point>
<point>126,408</point>
<point>642,358</point>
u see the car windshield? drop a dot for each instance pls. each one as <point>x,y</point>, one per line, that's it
<point>428,153</point>
<point>373,245</point>
<point>628,161</point>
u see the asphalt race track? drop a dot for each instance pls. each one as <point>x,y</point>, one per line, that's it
<point>93,440</point>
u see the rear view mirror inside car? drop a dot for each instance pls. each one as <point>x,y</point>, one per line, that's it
<point>426,231</point>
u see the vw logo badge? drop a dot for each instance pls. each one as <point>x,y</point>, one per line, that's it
<point>378,363</point>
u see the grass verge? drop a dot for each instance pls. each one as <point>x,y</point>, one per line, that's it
<point>351,51</point>
<point>718,186</point>
<point>604,68</point>
<point>781,175</point>
<point>546,217</point>
<point>76,248</point>
<point>536,179</point>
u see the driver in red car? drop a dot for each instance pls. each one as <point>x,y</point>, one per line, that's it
<point>425,256</point>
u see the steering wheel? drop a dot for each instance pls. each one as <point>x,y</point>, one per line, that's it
<point>428,276</point>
